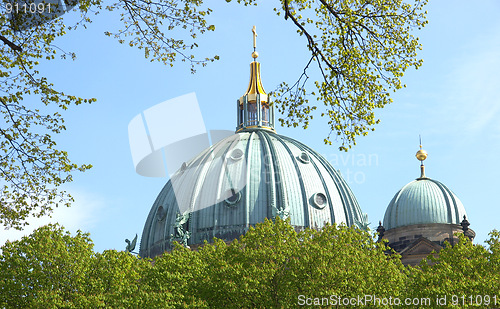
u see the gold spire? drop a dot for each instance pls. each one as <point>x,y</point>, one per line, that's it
<point>421,156</point>
<point>255,86</point>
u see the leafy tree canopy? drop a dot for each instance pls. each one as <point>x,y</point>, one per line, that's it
<point>362,49</point>
<point>32,168</point>
<point>270,266</point>
<point>467,275</point>
<point>53,269</point>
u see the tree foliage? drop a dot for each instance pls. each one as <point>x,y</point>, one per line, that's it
<point>271,266</point>
<point>362,49</point>
<point>45,270</point>
<point>32,168</point>
<point>462,276</point>
<point>52,269</point>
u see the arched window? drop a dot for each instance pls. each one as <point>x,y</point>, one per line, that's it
<point>265,114</point>
<point>241,115</point>
<point>252,113</point>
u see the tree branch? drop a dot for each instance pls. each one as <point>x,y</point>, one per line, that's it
<point>10,44</point>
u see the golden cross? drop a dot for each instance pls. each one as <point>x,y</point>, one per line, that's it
<point>254,37</point>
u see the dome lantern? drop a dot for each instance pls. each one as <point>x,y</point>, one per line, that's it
<point>255,110</point>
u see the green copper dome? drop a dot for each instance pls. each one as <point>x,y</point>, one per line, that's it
<point>423,201</point>
<point>279,177</point>
<point>245,178</point>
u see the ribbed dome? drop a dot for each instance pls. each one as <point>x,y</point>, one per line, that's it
<point>423,201</point>
<point>240,181</point>
<point>245,178</point>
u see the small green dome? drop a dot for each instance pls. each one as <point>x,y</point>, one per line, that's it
<point>423,201</point>
<point>240,181</point>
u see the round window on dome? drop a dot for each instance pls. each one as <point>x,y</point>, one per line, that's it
<point>304,157</point>
<point>319,200</point>
<point>161,214</point>
<point>236,154</point>
<point>234,197</point>
<point>183,167</point>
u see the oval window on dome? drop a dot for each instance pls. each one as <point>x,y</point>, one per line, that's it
<point>319,200</point>
<point>161,214</point>
<point>236,154</point>
<point>234,197</point>
<point>304,157</point>
<point>183,167</point>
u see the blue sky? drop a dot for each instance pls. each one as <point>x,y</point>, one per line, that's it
<point>452,101</point>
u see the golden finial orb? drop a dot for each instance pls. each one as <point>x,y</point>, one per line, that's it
<point>421,154</point>
<point>255,55</point>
